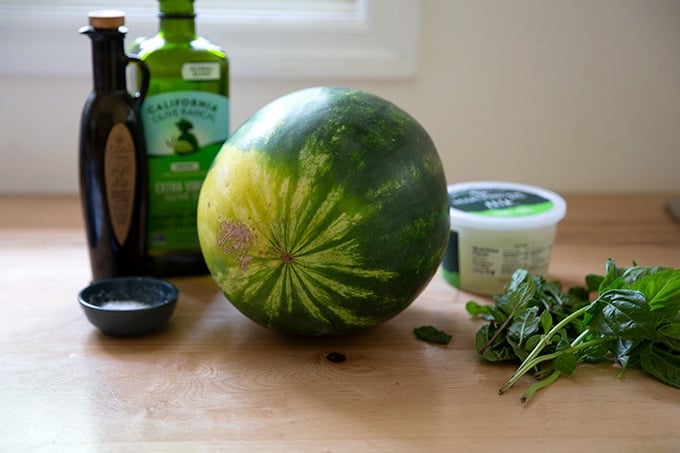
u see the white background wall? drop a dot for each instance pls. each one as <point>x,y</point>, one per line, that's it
<point>577,96</point>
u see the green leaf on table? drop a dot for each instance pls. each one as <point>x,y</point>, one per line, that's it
<point>634,321</point>
<point>432,335</point>
<point>661,363</point>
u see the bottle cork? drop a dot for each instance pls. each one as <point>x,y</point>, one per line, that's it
<point>108,19</point>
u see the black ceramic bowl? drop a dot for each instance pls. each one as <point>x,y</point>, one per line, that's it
<point>126,306</point>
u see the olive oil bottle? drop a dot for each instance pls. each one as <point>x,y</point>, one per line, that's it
<point>186,121</point>
<point>112,156</point>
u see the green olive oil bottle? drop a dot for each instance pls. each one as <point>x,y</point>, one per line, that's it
<point>186,120</point>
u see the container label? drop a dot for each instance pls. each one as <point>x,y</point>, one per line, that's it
<point>201,71</point>
<point>120,172</point>
<point>184,131</point>
<point>451,261</point>
<point>478,262</point>
<point>499,203</point>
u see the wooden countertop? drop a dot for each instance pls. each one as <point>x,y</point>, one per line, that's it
<point>213,379</point>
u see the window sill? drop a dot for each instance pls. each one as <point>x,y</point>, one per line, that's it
<point>380,39</point>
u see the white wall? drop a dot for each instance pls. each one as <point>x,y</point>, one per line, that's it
<point>577,96</point>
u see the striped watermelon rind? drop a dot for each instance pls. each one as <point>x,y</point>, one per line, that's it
<point>325,212</point>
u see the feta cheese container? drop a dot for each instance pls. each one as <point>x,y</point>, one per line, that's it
<point>497,228</point>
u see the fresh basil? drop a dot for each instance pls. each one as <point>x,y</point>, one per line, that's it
<point>632,320</point>
<point>431,334</point>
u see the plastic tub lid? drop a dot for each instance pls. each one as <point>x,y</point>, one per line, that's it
<point>495,205</point>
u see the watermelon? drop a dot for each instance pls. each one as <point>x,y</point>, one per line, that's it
<point>325,212</point>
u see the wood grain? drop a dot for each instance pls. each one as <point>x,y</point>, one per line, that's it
<point>213,380</point>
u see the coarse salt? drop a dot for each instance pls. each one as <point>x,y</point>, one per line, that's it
<point>123,305</point>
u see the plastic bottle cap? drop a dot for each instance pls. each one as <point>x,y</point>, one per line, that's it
<point>108,19</point>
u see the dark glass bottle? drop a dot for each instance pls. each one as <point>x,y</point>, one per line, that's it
<point>186,121</point>
<point>112,157</point>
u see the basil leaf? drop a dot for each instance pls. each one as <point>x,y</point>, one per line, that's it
<point>432,335</point>
<point>662,364</point>
<point>593,282</point>
<point>499,351</point>
<point>634,320</point>
<point>532,341</point>
<point>565,363</point>
<point>518,277</point>
<point>634,274</point>
<point>519,293</point>
<point>481,310</point>
<point>611,278</point>
<point>524,325</point>
<point>622,313</point>
<point>662,291</point>
<point>518,350</point>
<point>598,352</point>
<point>670,335</point>
<point>627,352</point>
<point>577,293</point>
<point>546,321</point>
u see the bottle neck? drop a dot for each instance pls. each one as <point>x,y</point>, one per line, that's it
<point>177,20</point>
<point>177,28</point>
<point>108,60</point>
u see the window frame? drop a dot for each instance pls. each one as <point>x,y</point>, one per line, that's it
<point>374,39</point>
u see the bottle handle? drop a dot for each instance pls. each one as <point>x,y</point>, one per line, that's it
<point>144,82</point>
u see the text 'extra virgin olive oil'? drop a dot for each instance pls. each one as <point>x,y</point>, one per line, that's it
<point>112,156</point>
<point>186,121</point>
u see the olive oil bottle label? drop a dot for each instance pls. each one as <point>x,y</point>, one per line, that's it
<point>202,71</point>
<point>120,175</point>
<point>184,131</point>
